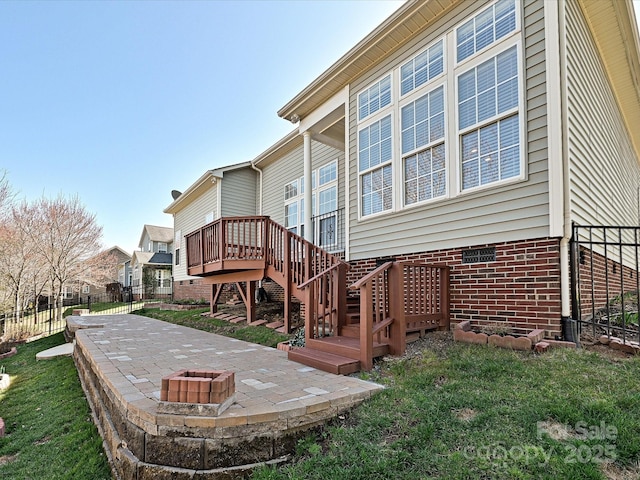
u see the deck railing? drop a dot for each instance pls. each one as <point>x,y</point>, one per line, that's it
<point>325,301</point>
<point>398,297</point>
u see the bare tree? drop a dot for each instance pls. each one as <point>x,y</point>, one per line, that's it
<point>66,235</point>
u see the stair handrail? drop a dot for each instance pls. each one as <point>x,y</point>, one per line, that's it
<point>322,273</point>
<point>390,295</point>
<point>356,285</point>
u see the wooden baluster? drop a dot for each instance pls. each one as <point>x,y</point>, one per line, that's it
<point>366,326</point>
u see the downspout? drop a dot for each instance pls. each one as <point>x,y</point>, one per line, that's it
<point>569,325</point>
<point>259,289</point>
<point>259,187</point>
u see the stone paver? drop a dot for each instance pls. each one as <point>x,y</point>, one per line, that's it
<point>130,354</point>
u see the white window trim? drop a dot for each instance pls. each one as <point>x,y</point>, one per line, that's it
<point>409,98</point>
<point>394,154</point>
<point>317,188</point>
<point>452,69</point>
<point>458,64</point>
<point>440,78</point>
<point>487,54</point>
<point>392,87</point>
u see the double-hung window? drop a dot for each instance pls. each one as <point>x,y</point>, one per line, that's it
<point>423,149</point>
<point>375,148</point>
<point>291,206</point>
<point>489,100</point>
<point>374,165</point>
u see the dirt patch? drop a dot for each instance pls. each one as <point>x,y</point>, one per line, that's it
<point>555,430</point>
<point>5,459</point>
<point>43,441</point>
<point>615,472</point>
<point>270,311</point>
<point>465,414</point>
<point>438,342</point>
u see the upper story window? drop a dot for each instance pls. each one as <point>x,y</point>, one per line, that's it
<point>328,173</point>
<point>422,68</point>
<point>374,165</point>
<point>485,28</point>
<point>423,150</point>
<point>162,247</point>
<point>489,121</point>
<point>291,190</point>
<point>489,89</point>
<point>374,98</point>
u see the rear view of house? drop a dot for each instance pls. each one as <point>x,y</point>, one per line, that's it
<point>469,136</point>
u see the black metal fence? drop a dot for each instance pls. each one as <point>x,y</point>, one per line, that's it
<point>30,323</point>
<point>27,323</point>
<point>605,283</point>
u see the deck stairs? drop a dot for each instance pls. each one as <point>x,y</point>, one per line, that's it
<point>346,326</point>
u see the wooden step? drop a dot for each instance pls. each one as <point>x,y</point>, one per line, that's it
<point>345,346</point>
<point>351,330</point>
<point>327,362</point>
<point>352,318</point>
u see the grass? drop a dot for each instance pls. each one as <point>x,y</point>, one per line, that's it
<point>467,412</point>
<point>194,319</point>
<point>49,431</point>
<point>476,414</point>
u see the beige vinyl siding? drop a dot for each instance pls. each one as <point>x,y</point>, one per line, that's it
<point>189,219</point>
<point>604,169</point>
<point>291,167</point>
<point>238,193</point>
<point>515,211</point>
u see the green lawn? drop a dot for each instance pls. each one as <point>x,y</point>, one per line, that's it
<point>194,319</point>
<point>48,426</point>
<point>481,413</point>
<point>454,412</point>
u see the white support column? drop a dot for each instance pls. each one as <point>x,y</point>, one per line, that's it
<point>308,188</point>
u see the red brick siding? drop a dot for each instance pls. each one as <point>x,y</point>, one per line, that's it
<point>522,287</point>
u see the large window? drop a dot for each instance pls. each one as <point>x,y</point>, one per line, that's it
<point>374,163</point>
<point>489,121</point>
<point>324,204</point>
<point>423,147</point>
<point>454,121</point>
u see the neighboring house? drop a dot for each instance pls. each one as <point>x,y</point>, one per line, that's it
<point>228,191</point>
<point>97,272</point>
<point>110,273</point>
<point>125,275</point>
<point>469,134</point>
<point>151,266</point>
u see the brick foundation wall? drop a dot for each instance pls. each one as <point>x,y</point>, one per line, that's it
<point>196,290</point>
<point>521,287</point>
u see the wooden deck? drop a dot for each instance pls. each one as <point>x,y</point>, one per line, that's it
<point>394,299</point>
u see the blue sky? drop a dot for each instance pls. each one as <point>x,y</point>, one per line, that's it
<point>121,102</point>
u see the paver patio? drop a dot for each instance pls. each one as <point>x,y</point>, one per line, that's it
<point>127,356</point>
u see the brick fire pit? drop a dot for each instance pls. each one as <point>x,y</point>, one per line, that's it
<point>197,391</point>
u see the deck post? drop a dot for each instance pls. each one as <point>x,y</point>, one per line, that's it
<point>444,299</point>
<point>341,292</point>
<point>287,280</point>
<point>215,293</point>
<point>309,313</point>
<point>366,327</point>
<point>398,329</point>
